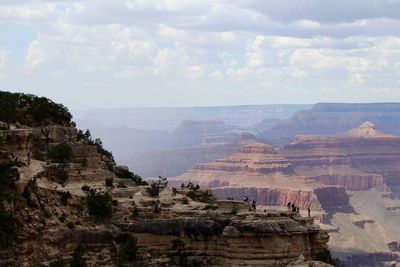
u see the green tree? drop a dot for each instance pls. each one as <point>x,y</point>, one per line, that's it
<point>99,204</point>
<point>326,256</point>
<point>128,251</point>
<point>61,153</point>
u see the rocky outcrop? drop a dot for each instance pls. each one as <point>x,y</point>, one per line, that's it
<point>220,236</point>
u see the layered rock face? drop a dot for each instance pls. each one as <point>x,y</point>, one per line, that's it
<point>261,173</point>
<point>360,159</point>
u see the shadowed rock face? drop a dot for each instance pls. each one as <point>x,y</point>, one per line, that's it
<point>359,159</point>
<point>261,173</point>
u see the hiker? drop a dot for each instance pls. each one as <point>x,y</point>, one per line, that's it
<point>294,208</point>
<point>253,204</point>
<point>246,199</point>
<point>298,210</point>
<point>309,212</point>
<point>288,206</point>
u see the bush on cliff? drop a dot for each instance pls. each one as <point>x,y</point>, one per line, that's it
<point>126,174</point>
<point>326,256</point>
<point>128,251</point>
<point>205,196</point>
<point>94,142</point>
<point>8,173</point>
<point>77,257</point>
<point>61,153</point>
<point>8,227</point>
<point>156,186</point>
<point>99,204</point>
<point>32,110</point>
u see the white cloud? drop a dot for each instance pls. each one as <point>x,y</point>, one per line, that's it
<point>247,47</point>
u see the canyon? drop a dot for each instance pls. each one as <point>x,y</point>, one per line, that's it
<point>348,180</point>
<point>52,171</point>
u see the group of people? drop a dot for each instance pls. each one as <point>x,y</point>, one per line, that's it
<point>292,207</point>
<point>253,202</point>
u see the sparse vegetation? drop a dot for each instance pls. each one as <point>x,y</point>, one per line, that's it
<point>99,204</point>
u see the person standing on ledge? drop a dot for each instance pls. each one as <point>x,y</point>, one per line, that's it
<point>253,204</point>
<point>288,206</point>
<point>309,212</point>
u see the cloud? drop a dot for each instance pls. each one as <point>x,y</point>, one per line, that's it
<point>245,48</point>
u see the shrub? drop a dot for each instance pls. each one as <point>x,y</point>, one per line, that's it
<point>58,263</point>
<point>77,257</point>
<point>8,227</point>
<point>61,153</point>
<point>123,173</point>
<point>8,173</point>
<point>71,225</point>
<point>326,256</point>
<point>85,188</point>
<point>185,200</point>
<point>26,194</point>
<point>109,182</point>
<point>64,196</point>
<point>205,196</point>
<point>63,217</point>
<point>155,205</point>
<point>156,186</point>
<point>128,251</point>
<point>99,204</point>
<point>180,251</point>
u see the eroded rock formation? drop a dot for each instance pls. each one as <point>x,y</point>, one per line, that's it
<point>261,173</point>
<point>360,159</point>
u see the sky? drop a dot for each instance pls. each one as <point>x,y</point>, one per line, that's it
<point>146,53</point>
